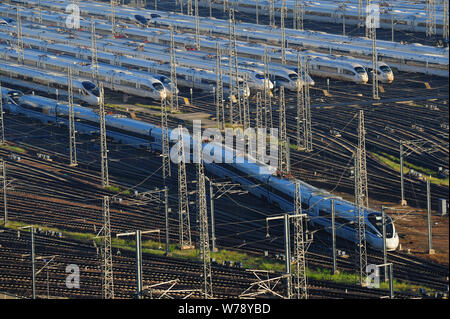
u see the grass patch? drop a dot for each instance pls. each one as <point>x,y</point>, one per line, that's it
<point>117,189</point>
<point>394,163</point>
<point>13,148</point>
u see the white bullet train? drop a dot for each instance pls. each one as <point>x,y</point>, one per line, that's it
<point>161,36</point>
<point>404,57</point>
<point>258,178</point>
<point>197,79</point>
<point>116,80</point>
<point>401,16</point>
<point>48,82</point>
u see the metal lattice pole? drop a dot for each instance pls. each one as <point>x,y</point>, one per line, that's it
<point>259,115</point>
<point>220,108</point>
<point>246,110</point>
<point>72,131</point>
<point>257,11</point>
<point>304,129</point>
<point>173,73</point>
<point>361,199</point>
<point>267,94</point>
<point>183,198</point>
<point>360,13</point>
<point>165,141</point>
<point>233,72</point>
<point>372,33</point>
<point>431,18</point>
<point>445,29</point>
<point>108,279</point>
<point>2,120</point>
<point>283,141</point>
<point>189,8</point>
<point>40,12</point>
<point>103,142</point>
<point>272,13</point>
<point>20,58</point>
<point>299,247</point>
<point>5,194</point>
<point>94,60</point>
<point>283,32</point>
<point>203,218</point>
<point>298,14</point>
<point>113,17</point>
<point>197,27</point>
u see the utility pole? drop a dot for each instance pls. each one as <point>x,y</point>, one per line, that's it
<point>299,247</point>
<point>103,143</point>
<point>371,31</point>
<point>108,278</point>
<point>272,13</point>
<point>430,243</point>
<point>283,33</point>
<point>197,27</point>
<point>5,194</point>
<point>361,198</point>
<point>402,185</point>
<point>257,11</point>
<point>383,225</point>
<point>72,131</point>
<point>173,73</point>
<point>301,288</point>
<point>138,234</point>
<point>267,94</point>
<point>183,197</point>
<point>113,18</point>
<point>360,13</point>
<point>165,141</point>
<point>283,141</point>
<point>304,130</point>
<point>298,14</point>
<point>259,116</point>
<point>233,62</point>
<point>220,108</point>
<point>343,6</point>
<point>189,8</point>
<point>246,110</point>
<point>33,271</point>
<point>2,119</point>
<point>431,18</point>
<point>40,12</point>
<point>333,235</point>
<point>445,31</point>
<point>94,60</point>
<point>20,58</point>
<point>203,217</point>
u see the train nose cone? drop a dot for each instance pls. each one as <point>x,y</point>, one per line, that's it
<point>392,243</point>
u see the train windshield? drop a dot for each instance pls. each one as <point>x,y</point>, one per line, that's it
<point>385,69</point>
<point>165,80</point>
<point>158,86</point>
<point>259,76</point>
<point>293,76</point>
<point>360,70</point>
<point>141,19</point>
<point>376,220</point>
<point>91,87</point>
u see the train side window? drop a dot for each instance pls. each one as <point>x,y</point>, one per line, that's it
<point>348,72</point>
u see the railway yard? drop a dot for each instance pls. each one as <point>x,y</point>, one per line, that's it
<point>405,124</point>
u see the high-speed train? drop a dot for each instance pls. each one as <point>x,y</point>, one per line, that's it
<point>49,82</point>
<point>404,57</point>
<point>116,80</point>
<point>198,79</point>
<point>401,16</point>
<point>253,51</point>
<point>257,177</point>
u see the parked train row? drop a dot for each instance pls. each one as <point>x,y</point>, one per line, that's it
<point>402,18</point>
<point>319,66</point>
<point>258,178</point>
<point>410,58</point>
